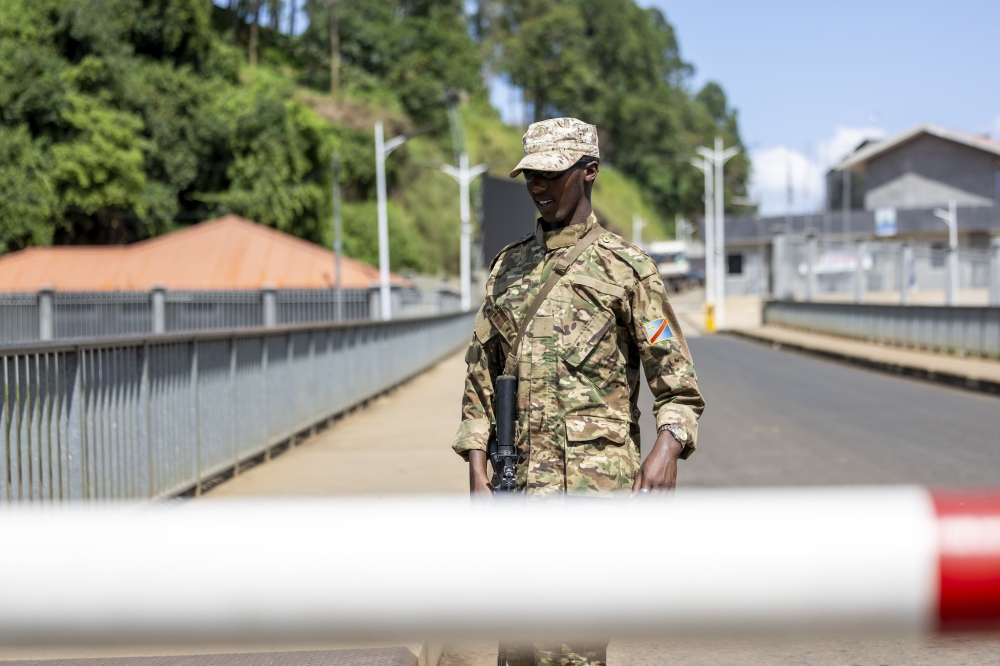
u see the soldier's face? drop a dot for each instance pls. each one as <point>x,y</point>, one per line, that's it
<point>557,196</point>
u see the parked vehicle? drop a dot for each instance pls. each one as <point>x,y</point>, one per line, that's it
<point>676,265</point>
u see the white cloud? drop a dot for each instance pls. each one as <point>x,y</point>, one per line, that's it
<point>844,141</point>
<point>777,166</point>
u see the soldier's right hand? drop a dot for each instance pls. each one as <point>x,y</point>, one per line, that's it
<point>479,481</point>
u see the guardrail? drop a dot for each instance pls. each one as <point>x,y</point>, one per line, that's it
<point>964,330</point>
<point>893,559</point>
<point>54,315</point>
<point>159,416</point>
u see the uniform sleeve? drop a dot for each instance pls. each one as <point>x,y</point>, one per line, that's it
<point>667,361</point>
<point>477,403</point>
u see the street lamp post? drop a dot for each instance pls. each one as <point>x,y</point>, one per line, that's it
<point>706,168</point>
<point>464,175</point>
<point>718,158</point>
<point>950,218</point>
<point>338,245</point>
<point>382,150</point>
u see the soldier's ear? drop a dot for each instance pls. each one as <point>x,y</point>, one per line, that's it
<point>590,170</point>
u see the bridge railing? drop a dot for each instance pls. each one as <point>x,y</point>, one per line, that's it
<point>56,315</point>
<point>164,415</point>
<point>965,330</point>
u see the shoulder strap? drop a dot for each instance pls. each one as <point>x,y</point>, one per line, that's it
<point>560,270</point>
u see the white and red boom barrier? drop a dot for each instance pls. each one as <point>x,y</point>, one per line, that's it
<point>897,558</point>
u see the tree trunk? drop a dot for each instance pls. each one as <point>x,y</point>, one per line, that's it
<point>291,20</point>
<point>255,10</point>
<point>334,49</point>
<point>237,20</point>
<point>539,109</point>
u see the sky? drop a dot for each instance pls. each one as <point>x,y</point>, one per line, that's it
<point>811,80</point>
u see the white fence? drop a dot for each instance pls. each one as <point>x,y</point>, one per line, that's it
<point>888,271</point>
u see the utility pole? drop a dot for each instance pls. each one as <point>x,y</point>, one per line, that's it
<point>464,175</point>
<point>845,206</point>
<point>718,158</point>
<point>337,241</point>
<point>637,225</point>
<point>709,239</point>
<point>382,150</point>
<point>950,218</point>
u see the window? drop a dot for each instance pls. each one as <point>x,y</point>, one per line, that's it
<point>734,264</point>
<point>996,181</point>
<point>939,251</point>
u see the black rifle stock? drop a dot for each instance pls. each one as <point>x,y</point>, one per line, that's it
<point>502,452</point>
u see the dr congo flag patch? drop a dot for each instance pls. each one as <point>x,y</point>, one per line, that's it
<point>658,331</point>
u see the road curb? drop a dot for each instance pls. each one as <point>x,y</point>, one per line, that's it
<point>916,372</point>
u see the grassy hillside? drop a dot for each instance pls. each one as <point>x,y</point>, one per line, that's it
<point>122,120</point>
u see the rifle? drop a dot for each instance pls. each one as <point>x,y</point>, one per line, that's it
<point>503,454</point>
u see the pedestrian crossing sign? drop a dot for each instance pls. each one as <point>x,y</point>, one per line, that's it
<point>658,331</point>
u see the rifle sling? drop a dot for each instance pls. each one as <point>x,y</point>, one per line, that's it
<point>562,265</point>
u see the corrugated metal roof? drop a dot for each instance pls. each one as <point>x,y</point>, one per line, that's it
<point>870,150</point>
<point>227,253</point>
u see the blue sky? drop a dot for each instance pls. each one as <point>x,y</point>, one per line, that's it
<point>810,79</point>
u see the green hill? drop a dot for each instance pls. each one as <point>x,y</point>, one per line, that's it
<point>121,120</point>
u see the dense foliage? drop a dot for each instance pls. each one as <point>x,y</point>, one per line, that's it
<point>124,119</point>
<point>617,66</point>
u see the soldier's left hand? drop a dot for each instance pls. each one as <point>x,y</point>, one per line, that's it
<point>658,474</point>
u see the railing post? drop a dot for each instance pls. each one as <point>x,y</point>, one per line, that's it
<point>232,406</point>
<point>46,305</point>
<point>860,275</point>
<point>779,271</point>
<point>194,417</point>
<point>269,305</point>
<point>812,250</point>
<point>75,423</point>
<point>905,272</point>
<point>995,271</point>
<point>158,303</point>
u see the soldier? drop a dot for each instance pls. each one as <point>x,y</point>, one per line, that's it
<point>578,361</point>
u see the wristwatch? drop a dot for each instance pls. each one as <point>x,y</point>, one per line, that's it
<point>679,433</point>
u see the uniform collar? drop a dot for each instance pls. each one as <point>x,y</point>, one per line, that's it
<point>568,236</point>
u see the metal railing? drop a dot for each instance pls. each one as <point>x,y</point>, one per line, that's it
<point>965,330</point>
<point>50,315</point>
<point>812,269</point>
<point>157,416</point>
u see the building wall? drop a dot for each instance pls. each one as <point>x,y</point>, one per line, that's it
<point>926,172</point>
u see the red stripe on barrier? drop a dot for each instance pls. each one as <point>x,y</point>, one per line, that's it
<point>969,559</point>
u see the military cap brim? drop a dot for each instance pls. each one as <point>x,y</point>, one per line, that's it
<point>548,161</point>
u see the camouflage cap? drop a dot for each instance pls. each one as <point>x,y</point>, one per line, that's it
<point>556,145</point>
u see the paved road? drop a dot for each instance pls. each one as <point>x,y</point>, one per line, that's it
<point>782,418</point>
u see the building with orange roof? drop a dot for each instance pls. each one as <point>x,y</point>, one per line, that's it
<point>228,253</point>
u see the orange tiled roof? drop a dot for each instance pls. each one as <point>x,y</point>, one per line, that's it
<point>227,253</point>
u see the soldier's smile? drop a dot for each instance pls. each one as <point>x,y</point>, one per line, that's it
<point>542,204</point>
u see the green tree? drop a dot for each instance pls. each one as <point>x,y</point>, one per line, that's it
<point>618,66</point>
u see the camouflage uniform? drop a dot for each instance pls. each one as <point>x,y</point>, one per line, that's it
<point>578,372</point>
<point>579,361</point>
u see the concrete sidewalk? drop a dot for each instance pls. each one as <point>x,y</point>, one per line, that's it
<point>969,373</point>
<point>399,444</point>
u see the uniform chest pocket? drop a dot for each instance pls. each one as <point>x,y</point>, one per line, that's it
<point>593,350</point>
